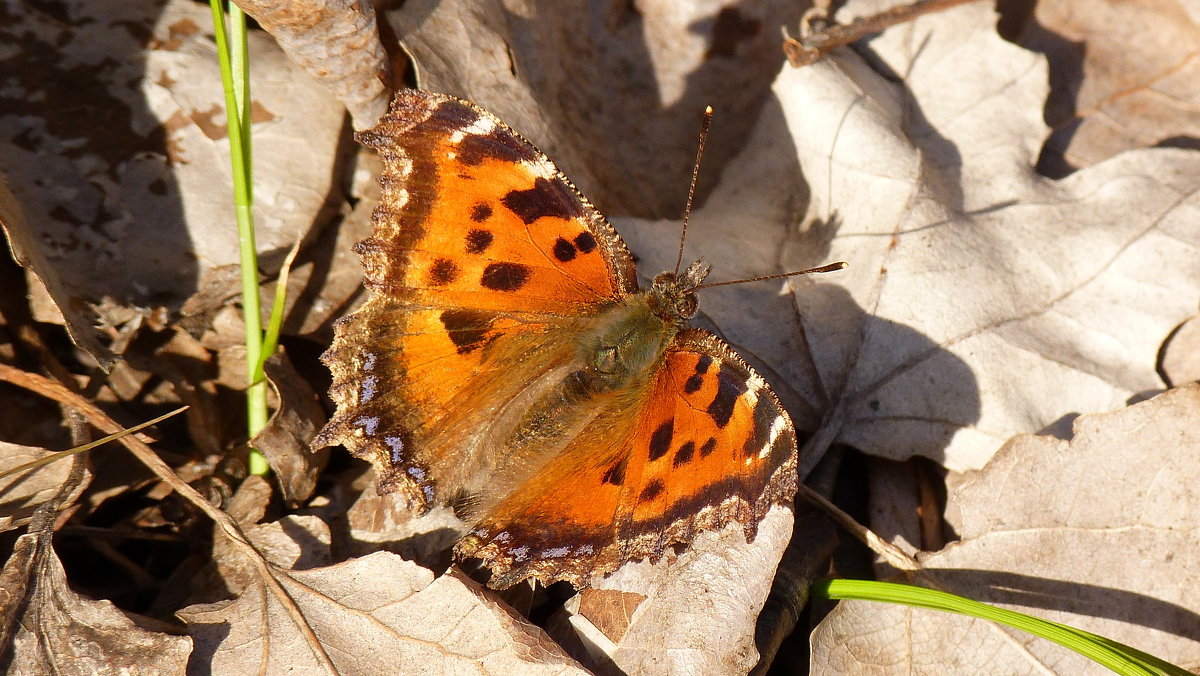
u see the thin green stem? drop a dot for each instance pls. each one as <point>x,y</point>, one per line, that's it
<point>234,62</point>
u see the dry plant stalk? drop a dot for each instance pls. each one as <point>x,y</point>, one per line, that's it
<point>818,37</point>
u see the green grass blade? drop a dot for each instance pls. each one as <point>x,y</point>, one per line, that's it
<point>1118,657</point>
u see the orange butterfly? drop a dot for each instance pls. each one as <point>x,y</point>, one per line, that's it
<point>507,355</point>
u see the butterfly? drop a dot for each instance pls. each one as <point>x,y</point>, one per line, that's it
<point>507,363</point>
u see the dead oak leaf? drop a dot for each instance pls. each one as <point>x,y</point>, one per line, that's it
<point>114,119</point>
<point>1099,532</point>
<point>372,615</point>
<point>982,300</point>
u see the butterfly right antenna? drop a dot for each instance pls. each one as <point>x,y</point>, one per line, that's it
<point>687,210</point>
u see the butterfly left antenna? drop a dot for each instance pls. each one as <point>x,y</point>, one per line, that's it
<point>687,210</point>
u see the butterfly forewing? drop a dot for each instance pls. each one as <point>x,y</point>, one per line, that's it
<point>482,259</point>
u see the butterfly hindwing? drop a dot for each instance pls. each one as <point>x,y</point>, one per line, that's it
<point>707,443</point>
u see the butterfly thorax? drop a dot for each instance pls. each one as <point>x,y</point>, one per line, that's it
<point>629,338</point>
<point>616,354</point>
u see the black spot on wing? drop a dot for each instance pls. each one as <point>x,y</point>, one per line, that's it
<point>651,491</point>
<point>585,242</point>
<point>684,455</point>
<point>660,440</point>
<point>564,250</point>
<point>467,329</point>
<point>696,380</point>
<point>708,447</point>
<point>729,388</point>
<point>545,198</point>
<point>615,475</point>
<point>442,272</point>
<point>474,149</point>
<point>453,114</point>
<point>481,212</point>
<point>478,241</point>
<point>505,276</point>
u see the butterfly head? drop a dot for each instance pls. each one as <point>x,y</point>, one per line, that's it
<point>673,295</point>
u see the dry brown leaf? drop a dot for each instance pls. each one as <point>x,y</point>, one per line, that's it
<point>982,300</point>
<point>22,493</point>
<point>373,615</point>
<point>51,629</point>
<point>1099,532</point>
<point>285,439</point>
<point>294,542</point>
<point>613,92</point>
<point>133,142</point>
<point>1124,75</point>
<point>323,288</point>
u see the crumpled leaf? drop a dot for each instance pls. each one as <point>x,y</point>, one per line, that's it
<point>21,494</point>
<point>1099,532</point>
<point>48,628</point>
<point>372,615</point>
<point>692,613</point>
<point>575,80</point>
<point>982,300</point>
<point>122,155</point>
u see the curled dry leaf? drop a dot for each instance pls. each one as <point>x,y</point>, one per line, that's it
<point>48,628</point>
<point>1099,532</point>
<point>22,493</point>
<point>285,439</point>
<point>335,42</point>
<point>1181,357</point>
<point>372,615</point>
<point>982,300</point>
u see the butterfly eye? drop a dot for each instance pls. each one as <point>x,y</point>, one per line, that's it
<point>687,306</point>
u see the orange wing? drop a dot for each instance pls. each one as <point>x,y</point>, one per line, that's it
<point>708,443</point>
<point>482,262</point>
<point>474,216</point>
